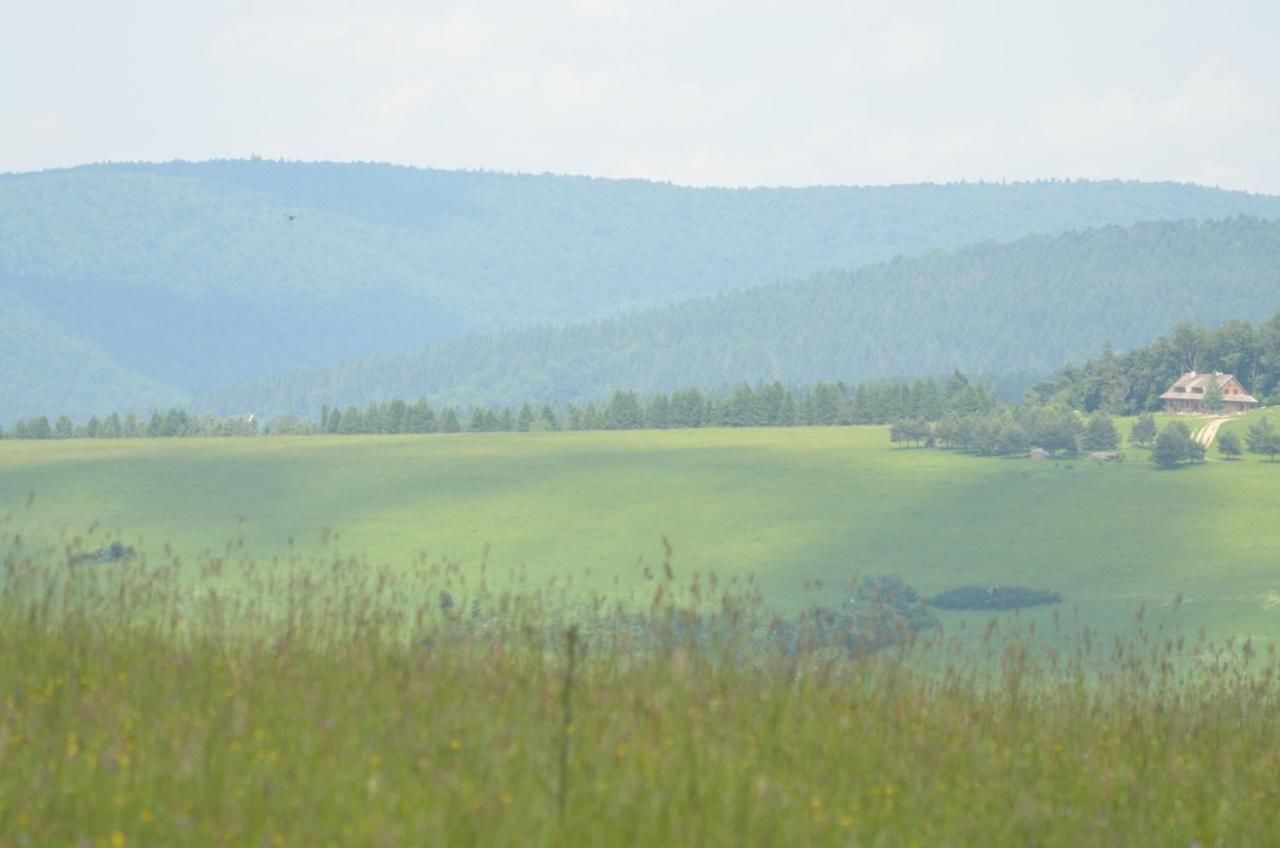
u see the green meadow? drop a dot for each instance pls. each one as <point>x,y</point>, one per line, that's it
<point>137,710</point>
<point>799,510</point>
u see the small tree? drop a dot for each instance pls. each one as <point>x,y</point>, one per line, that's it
<point>1100,434</point>
<point>1055,429</point>
<point>1173,445</point>
<point>915,431</point>
<point>1011,438</point>
<point>449,422</point>
<point>1213,396</point>
<point>525,419</point>
<point>1263,439</point>
<point>1229,444</point>
<point>548,418</point>
<point>1144,430</point>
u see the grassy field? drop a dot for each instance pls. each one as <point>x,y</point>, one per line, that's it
<point>138,710</point>
<point>801,509</point>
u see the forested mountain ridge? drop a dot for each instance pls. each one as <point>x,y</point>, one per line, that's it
<point>1030,305</point>
<point>75,375</point>
<point>192,275</point>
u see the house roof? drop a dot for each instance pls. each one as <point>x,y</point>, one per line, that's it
<point>1184,387</point>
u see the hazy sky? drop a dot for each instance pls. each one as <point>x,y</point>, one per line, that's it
<point>727,93</point>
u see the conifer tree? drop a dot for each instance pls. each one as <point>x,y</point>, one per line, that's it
<point>1229,444</point>
<point>525,419</point>
<point>1263,439</point>
<point>1173,445</point>
<point>1143,431</point>
<point>1213,396</point>
<point>548,417</point>
<point>1100,434</point>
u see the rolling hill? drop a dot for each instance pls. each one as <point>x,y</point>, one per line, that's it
<point>188,276</point>
<point>1027,306</point>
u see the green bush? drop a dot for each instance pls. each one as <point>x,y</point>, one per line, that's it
<point>994,597</point>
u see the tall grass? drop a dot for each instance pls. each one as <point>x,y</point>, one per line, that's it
<point>330,702</point>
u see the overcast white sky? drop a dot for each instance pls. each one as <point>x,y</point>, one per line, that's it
<point>722,92</point>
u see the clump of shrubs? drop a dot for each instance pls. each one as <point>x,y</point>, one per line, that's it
<point>994,598</point>
<point>115,552</point>
<point>883,611</point>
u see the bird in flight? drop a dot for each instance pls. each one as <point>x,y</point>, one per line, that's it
<point>291,216</point>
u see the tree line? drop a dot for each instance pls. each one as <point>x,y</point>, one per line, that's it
<point>767,405</point>
<point>1011,430</point>
<point>1060,430</point>
<point>170,424</point>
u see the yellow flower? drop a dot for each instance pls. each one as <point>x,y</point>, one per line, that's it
<point>118,840</point>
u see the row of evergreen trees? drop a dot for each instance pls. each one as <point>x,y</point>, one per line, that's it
<point>173,423</point>
<point>770,405</point>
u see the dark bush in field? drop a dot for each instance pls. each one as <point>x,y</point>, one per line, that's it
<point>883,611</point>
<point>994,597</point>
<point>115,552</point>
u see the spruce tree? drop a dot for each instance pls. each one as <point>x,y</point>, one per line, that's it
<point>1173,445</point>
<point>1229,444</point>
<point>1263,439</point>
<point>624,412</point>
<point>548,417</point>
<point>1100,434</point>
<point>1144,430</point>
<point>657,413</point>
<point>1213,396</point>
<point>525,419</point>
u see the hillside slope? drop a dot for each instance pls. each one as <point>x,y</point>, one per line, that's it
<point>192,275</point>
<point>76,377</point>
<point>989,309</point>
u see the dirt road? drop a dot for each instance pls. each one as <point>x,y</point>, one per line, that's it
<point>1206,434</point>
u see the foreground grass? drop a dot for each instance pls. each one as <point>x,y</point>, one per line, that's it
<point>358,712</point>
